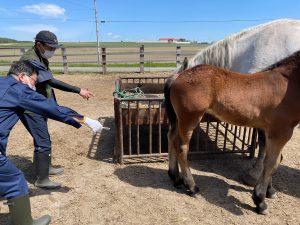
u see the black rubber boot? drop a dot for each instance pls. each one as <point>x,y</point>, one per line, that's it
<point>42,163</point>
<point>55,170</point>
<point>20,212</point>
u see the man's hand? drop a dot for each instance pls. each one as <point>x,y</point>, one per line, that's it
<point>86,94</point>
<point>95,125</point>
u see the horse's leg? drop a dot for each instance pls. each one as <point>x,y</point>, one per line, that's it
<point>185,131</point>
<point>271,191</point>
<point>173,162</point>
<point>251,177</point>
<point>275,143</point>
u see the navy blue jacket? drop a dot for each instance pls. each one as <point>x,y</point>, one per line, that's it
<point>16,97</point>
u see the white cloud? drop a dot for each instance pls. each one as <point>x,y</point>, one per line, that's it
<point>46,10</point>
<point>113,36</point>
<point>33,28</point>
<point>116,36</point>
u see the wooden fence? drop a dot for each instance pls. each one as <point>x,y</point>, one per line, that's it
<point>138,55</point>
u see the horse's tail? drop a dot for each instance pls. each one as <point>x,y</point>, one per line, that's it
<point>167,102</point>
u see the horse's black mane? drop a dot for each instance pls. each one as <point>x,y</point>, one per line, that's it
<point>287,60</point>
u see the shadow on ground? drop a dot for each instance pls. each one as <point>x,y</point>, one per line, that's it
<point>285,179</point>
<point>213,189</point>
<point>25,165</point>
<point>102,144</point>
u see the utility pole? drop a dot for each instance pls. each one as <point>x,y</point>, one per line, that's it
<point>97,33</point>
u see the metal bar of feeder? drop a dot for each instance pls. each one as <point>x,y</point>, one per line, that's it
<point>150,128</point>
<point>159,129</point>
<point>129,129</point>
<point>138,127</point>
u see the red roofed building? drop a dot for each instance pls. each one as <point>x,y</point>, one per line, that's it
<point>170,40</point>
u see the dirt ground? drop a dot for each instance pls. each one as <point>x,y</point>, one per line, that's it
<point>97,191</point>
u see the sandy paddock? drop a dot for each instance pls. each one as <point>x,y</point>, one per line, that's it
<point>96,191</point>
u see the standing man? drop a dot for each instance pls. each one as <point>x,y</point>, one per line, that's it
<point>45,45</point>
<point>16,95</point>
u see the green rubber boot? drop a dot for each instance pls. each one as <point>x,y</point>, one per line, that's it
<point>20,212</point>
<point>42,163</point>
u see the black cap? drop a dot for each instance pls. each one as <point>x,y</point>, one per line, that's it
<point>48,38</point>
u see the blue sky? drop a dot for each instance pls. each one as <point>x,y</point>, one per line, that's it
<point>139,20</point>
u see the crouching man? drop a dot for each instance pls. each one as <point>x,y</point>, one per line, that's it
<point>17,95</point>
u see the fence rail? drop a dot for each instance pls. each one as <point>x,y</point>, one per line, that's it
<point>108,55</point>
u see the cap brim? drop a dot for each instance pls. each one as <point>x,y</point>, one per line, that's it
<point>54,45</point>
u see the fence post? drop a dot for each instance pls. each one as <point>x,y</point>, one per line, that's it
<point>65,60</point>
<point>178,53</point>
<point>22,50</point>
<point>142,58</point>
<point>103,53</point>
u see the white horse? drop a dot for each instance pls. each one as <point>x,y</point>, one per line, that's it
<point>250,51</point>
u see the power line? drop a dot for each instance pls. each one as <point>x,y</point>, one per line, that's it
<point>184,21</point>
<point>140,21</point>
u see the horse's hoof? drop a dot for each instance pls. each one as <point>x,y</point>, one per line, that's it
<point>248,180</point>
<point>262,209</point>
<point>271,193</point>
<point>193,191</point>
<point>177,179</point>
<point>261,206</point>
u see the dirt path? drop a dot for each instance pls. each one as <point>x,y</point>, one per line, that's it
<point>96,191</point>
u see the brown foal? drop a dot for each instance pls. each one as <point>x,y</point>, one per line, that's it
<point>268,100</point>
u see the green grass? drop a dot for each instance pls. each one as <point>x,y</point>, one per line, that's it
<point>5,63</point>
<point>146,64</point>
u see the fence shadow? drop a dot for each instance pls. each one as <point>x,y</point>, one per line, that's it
<point>102,144</point>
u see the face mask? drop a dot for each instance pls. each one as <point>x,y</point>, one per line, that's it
<point>29,84</point>
<point>47,54</point>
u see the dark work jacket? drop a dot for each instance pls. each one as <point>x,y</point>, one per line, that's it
<point>42,87</point>
<point>46,82</point>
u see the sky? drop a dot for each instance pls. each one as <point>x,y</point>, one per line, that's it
<point>139,20</point>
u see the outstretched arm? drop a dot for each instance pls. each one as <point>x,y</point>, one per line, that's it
<point>70,88</point>
<point>47,107</point>
<point>35,102</point>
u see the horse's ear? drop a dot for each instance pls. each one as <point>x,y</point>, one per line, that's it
<point>185,64</point>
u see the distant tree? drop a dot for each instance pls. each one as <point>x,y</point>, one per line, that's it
<point>7,40</point>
